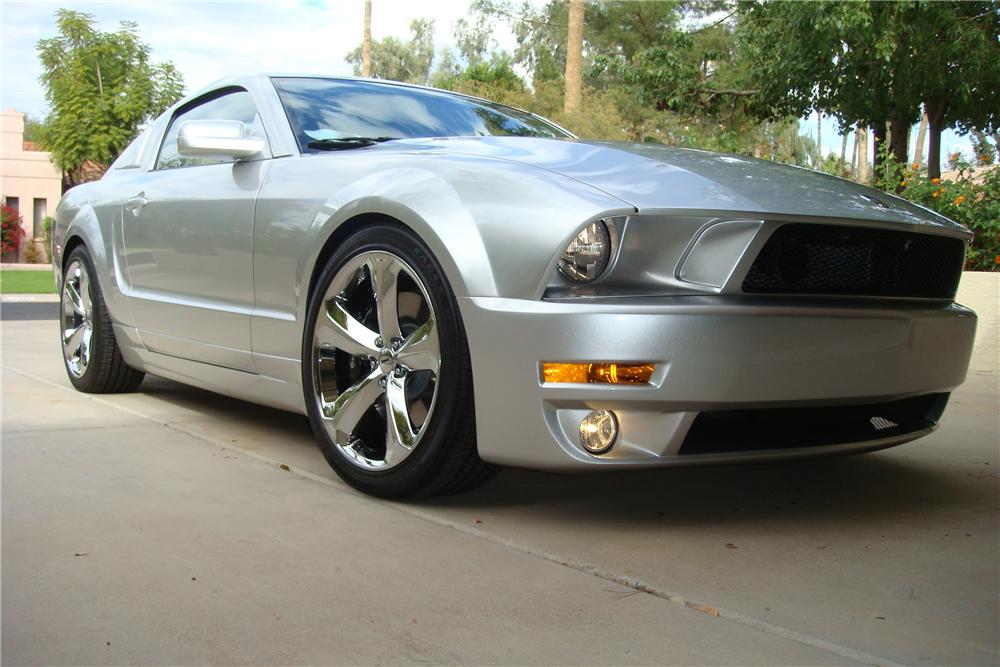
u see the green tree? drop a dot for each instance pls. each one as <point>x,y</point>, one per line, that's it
<point>960,77</point>
<point>395,60</point>
<point>101,88</point>
<point>984,151</point>
<point>873,63</point>
<point>540,34</point>
<point>33,129</point>
<point>847,59</point>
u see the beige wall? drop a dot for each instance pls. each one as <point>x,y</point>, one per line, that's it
<point>27,175</point>
<point>980,290</point>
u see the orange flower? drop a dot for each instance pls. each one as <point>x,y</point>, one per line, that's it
<point>998,259</point>
<point>902,184</point>
<point>959,199</point>
<point>916,165</point>
<point>935,181</point>
<point>934,194</point>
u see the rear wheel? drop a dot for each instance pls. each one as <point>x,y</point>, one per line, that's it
<point>386,370</point>
<point>90,352</point>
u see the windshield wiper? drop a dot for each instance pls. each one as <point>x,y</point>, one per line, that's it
<point>343,143</point>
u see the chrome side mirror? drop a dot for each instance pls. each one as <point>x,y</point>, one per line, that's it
<point>217,139</point>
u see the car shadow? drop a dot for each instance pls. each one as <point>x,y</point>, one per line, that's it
<point>868,486</point>
<point>828,489</point>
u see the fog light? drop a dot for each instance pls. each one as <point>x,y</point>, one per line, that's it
<point>598,431</point>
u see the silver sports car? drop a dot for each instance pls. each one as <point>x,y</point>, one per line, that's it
<point>445,285</point>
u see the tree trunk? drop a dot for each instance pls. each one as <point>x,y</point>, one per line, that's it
<point>854,156</point>
<point>366,43</point>
<point>879,137</point>
<point>899,135</point>
<point>935,124</point>
<point>574,57</point>
<point>842,166</point>
<point>918,152</point>
<point>864,174</point>
<point>819,139</point>
<point>899,139</point>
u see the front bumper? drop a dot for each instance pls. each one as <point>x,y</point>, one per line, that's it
<point>711,354</point>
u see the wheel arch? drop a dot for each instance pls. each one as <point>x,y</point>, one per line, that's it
<point>343,231</point>
<point>72,243</point>
<point>453,241</point>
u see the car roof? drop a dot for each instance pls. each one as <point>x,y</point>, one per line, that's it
<point>244,79</point>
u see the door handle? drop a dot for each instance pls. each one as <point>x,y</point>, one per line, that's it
<point>136,203</point>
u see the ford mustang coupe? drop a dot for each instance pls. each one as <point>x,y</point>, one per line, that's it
<point>445,285</point>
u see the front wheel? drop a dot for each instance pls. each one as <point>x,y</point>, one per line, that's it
<point>90,352</point>
<point>386,370</point>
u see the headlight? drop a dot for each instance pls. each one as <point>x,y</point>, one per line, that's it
<point>586,257</point>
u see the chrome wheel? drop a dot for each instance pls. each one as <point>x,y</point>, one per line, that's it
<point>77,318</point>
<point>376,357</point>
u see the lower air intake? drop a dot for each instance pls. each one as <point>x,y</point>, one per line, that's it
<point>733,431</point>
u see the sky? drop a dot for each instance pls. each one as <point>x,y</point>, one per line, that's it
<point>208,40</point>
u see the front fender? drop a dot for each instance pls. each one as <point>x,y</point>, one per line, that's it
<point>493,225</point>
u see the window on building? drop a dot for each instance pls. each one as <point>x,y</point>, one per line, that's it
<point>14,203</point>
<point>40,211</point>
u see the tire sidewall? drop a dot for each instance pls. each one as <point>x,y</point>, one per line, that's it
<point>452,379</point>
<point>99,321</point>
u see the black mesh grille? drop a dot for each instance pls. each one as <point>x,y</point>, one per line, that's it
<point>734,431</point>
<point>856,261</point>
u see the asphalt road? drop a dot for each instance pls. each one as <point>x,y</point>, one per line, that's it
<point>174,526</point>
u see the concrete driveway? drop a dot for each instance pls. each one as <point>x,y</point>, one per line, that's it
<point>176,526</point>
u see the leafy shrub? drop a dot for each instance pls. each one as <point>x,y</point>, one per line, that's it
<point>972,200</point>
<point>11,231</point>
<point>33,254</point>
<point>47,223</point>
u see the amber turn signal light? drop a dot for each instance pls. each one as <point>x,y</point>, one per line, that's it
<point>602,373</point>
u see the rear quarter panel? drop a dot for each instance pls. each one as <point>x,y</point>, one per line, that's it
<point>91,213</point>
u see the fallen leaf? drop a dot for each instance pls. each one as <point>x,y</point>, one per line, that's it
<point>705,609</point>
<point>283,466</point>
<point>730,545</point>
<point>82,553</point>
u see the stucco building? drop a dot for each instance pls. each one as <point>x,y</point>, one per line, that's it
<point>29,181</point>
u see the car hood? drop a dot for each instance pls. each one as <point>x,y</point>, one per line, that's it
<point>659,178</point>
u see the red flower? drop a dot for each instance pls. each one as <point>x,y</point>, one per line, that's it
<point>11,231</point>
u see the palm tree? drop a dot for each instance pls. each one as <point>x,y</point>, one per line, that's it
<point>574,57</point>
<point>366,42</point>
<point>918,152</point>
<point>861,137</point>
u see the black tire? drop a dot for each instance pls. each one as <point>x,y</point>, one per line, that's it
<point>445,460</point>
<point>106,371</point>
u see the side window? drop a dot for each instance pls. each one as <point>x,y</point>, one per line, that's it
<point>237,105</point>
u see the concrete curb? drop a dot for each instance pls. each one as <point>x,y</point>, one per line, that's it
<point>29,298</point>
<point>25,267</point>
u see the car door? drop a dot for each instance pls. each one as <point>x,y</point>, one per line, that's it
<point>188,238</point>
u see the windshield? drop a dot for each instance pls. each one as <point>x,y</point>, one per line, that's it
<point>325,111</point>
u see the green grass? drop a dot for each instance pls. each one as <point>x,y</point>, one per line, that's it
<point>26,282</point>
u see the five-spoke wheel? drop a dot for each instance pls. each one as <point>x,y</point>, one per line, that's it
<point>93,360</point>
<point>77,318</point>
<point>377,357</point>
<point>386,369</point>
